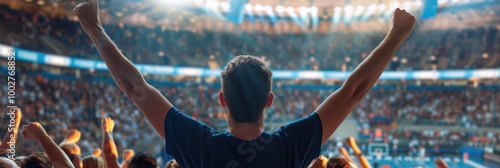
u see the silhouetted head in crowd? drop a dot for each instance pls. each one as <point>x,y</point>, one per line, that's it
<point>72,150</point>
<point>92,162</point>
<point>141,160</point>
<point>20,160</point>
<point>246,88</point>
<point>37,160</point>
<point>337,162</point>
<point>7,163</point>
<point>172,164</point>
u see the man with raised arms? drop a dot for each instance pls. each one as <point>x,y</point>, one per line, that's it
<point>246,93</point>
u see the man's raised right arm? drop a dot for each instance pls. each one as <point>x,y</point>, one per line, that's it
<point>128,78</point>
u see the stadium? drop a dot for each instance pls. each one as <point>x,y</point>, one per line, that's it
<point>65,102</point>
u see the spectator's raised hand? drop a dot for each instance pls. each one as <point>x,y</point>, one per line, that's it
<point>34,131</point>
<point>73,136</point>
<point>11,137</point>
<point>108,124</point>
<point>97,152</point>
<point>127,154</point>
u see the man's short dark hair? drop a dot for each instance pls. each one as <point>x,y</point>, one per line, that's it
<point>142,160</point>
<point>246,84</point>
<point>37,160</point>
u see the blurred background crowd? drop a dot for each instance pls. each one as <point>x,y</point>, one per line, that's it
<point>441,117</point>
<point>62,102</point>
<point>425,49</point>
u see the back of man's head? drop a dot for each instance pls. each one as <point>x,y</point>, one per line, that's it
<point>37,160</point>
<point>141,160</point>
<point>337,162</point>
<point>92,162</point>
<point>246,85</point>
<point>7,163</point>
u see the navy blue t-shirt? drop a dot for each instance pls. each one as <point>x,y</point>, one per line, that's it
<point>194,144</point>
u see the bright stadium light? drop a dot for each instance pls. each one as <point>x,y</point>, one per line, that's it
<point>268,8</point>
<point>348,9</point>
<point>199,2</point>
<point>314,15</point>
<point>280,9</point>
<point>394,5</point>
<point>258,7</point>
<point>336,16</point>
<point>248,7</point>
<point>359,9</point>
<point>382,7</point>
<point>407,5</point>
<point>291,12</point>
<point>338,9</point>
<point>417,3</point>
<point>371,9</point>
<point>314,9</point>
<point>212,4</point>
<point>303,9</point>
<point>225,6</point>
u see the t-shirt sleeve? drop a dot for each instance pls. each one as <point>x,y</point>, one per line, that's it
<point>185,137</point>
<point>304,136</point>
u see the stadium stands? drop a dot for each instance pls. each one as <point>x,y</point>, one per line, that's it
<point>426,49</point>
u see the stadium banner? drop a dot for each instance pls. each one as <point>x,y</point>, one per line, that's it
<point>79,63</point>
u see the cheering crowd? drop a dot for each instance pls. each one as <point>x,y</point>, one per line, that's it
<point>98,120</point>
<point>471,107</point>
<point>430,49</point>
<point>61,104</point>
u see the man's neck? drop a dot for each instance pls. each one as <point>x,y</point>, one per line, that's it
<point>246,131</point>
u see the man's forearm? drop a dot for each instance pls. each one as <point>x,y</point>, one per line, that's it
<point>56,155</point>
<point>126,75</point>
<point>367,73</point>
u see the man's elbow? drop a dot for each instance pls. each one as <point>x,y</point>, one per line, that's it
<point>357,90</point>
<point>133,89</point>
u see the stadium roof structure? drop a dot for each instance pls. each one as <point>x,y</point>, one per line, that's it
<point>190,10</point>
<point>273,16</point>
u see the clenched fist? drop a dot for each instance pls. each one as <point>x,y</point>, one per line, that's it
<point>88,14</point>
<point>108,124</point>
<point>403,23</point>
<point>73,136</point>
<point>33,131</point>
<point>127,154</point>
<point>97,152</point>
